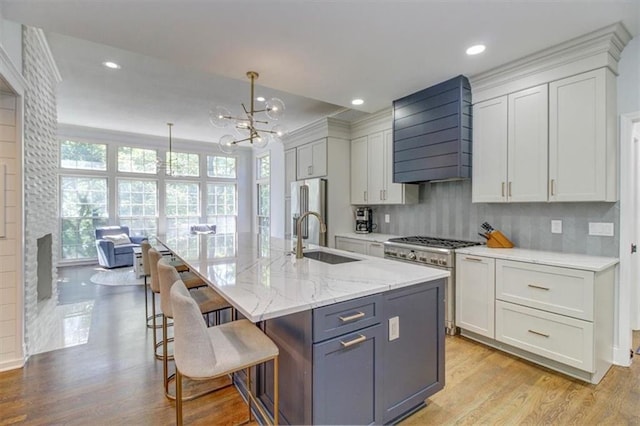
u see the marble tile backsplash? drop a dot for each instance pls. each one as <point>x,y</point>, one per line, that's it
<point>445,210</point>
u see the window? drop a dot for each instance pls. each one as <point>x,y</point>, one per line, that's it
<point>138,206</point>
<point>183,164</point>
<point>137,160</point>
<point>182,206</point>
<point>83,208</point>
<point>221,167</point>
<point>83,156</point>
<point>263,172</point>
<point>221,207</point>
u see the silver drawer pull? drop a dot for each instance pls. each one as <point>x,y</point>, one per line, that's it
<point>538,333</point>
<point>538,287</point>
<point>473,259</point>
<point>352,317</point>
<point>355,341</point>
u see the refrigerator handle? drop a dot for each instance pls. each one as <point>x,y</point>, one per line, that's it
<point>304,207</point>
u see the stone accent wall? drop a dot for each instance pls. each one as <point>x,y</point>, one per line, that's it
<point>40,175</point>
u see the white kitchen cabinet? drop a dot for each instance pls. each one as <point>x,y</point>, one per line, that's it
<point>359,167</point>
<point>561,317</point>
<point>510,147</point>
<point>311,160</point>
<point>475,294</point>
<point>372,172</point>
<point>582,137</point>
<point>362,246</point>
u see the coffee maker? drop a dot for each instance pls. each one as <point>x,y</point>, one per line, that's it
<point>364,220</point>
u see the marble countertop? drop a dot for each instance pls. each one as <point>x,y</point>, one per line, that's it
<point>565,260</point>
<point>264,280</point>
<point>372,236</point>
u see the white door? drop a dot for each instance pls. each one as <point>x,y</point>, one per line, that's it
<point>376,168</point>
<point>528,145</point>
<point>304,161</point>
<point>577,137</point>
<point>359,170</point>
<point>475,294</point>
<point>489,171</point>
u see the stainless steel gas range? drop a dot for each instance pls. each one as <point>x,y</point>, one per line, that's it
<point>436,253</point>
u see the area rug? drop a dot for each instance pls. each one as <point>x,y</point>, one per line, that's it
<point>117,277</point>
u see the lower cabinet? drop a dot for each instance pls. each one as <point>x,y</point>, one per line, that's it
<point>349,361</point>
<point>370,360</point>
<point>559,317</point>
<point>372,248</point>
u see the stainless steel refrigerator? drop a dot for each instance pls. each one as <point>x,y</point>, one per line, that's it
<point>309,195</point>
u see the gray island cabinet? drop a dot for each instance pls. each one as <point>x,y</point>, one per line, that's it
<point>360,342</point>
<point>343,364</point>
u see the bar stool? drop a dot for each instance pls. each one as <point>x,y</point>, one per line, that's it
<point>190,279</point>
<point>144,248</point>
<point>203,353</point>
<point>207,299</point>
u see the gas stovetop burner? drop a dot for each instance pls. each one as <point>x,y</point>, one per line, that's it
<point>434,242</point>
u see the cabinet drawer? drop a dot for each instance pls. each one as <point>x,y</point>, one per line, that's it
<point>346,317</point>
<point>563,339</point>
<point>559,290</point>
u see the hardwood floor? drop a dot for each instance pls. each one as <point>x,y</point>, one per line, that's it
<point>114,379</point>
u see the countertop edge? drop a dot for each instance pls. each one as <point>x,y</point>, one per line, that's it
<point>564,260</point>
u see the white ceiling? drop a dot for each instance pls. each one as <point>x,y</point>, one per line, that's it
<point>180,56</point>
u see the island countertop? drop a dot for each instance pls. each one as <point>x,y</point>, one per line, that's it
<point>262,279</point>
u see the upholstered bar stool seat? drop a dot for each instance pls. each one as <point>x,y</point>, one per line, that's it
<point>206,298</point>
<point>146,268</point>
<point>203,353</point>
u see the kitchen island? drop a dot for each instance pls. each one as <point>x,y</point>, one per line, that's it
<point>360,342</point>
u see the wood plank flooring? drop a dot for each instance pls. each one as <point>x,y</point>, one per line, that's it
<point>114,380</point>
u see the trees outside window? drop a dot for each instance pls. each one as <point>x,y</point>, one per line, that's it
<point>138,206</point>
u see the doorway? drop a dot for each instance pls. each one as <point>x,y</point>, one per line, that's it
<point>629,272</point>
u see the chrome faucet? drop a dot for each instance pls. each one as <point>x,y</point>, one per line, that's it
<point>323,229</point>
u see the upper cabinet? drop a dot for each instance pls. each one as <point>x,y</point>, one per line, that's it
<point>582,137</point>
<point>544,126</point>
<point>312,160</point>
<point>510,141</point>
<point>372,166</point>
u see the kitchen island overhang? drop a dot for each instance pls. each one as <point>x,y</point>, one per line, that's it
<point>360,342</point>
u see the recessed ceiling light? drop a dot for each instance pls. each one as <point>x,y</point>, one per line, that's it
<point>357,102</point>
<point>111,65</point>
<point>476,49</point>
<point>260,99</point>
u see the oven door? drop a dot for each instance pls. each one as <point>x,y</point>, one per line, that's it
<point>449,294</point>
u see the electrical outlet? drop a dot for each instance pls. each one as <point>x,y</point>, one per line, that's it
<point>387,219</point>
<point>394,328</point>
<point>556,227</point>
<point>601,229</point>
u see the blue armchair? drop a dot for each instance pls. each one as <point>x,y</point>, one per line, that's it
<point>115,246</point>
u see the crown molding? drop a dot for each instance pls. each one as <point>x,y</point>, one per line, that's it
<point>376,122</point>
<point>323,128</point>
<point>597,49</point>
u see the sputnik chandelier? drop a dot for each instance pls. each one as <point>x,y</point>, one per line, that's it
<point>249,128</point>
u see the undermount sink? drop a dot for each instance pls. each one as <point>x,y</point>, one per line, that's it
<point>323,256</point>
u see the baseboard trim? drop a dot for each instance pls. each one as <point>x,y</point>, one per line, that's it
<point>12,364</point>
<point>621,357</point>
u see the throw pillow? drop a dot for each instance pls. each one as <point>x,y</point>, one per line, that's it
<point>118,239</point>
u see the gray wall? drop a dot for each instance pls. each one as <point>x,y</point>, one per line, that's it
<point>445,210</point>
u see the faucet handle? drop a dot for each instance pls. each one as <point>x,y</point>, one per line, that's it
<point>323,227</point>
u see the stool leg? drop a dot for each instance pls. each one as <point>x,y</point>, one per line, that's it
<point>165,357</point>
<point>146,299</point>
<point>276,395</point>
<point>249,391</point>
<point>153,312</point>
<point>178,398</point>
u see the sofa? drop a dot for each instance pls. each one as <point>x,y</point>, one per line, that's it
<point>115,246</point>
